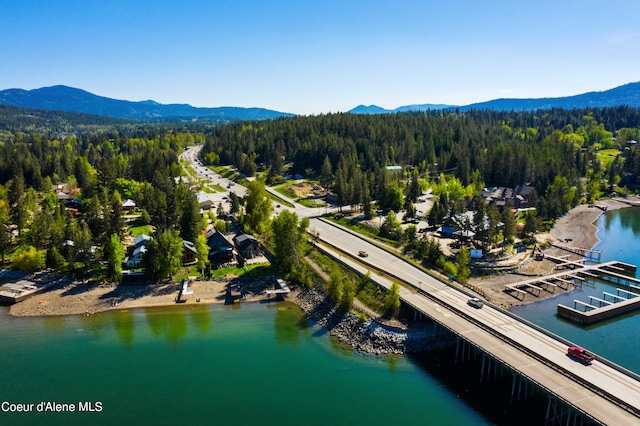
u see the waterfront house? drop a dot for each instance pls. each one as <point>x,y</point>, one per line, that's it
<point>248,246</point>
<point>135,259</point>
<point>220,249</point>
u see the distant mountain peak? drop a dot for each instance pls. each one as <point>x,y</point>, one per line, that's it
<point>65,98</point>
<point>627,94</point>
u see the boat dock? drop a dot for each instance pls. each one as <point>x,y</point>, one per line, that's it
<point>586,313</point>
<point>282,291</point>
<point>575,273</point>
<point>11,293</point>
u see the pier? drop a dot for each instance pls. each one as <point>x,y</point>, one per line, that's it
<point>575,273</point>
<point>605,309</point>
<point>587,253</point>
<point>282,291</point>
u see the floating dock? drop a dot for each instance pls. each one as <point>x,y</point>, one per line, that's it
<point>587,313</point>
<point>575,273</point>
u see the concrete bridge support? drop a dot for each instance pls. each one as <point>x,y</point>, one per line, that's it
<point>559,413</point>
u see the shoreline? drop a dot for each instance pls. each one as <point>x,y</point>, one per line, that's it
<point>576,228</point>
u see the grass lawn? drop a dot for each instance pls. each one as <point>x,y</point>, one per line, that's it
<point>254,270</point>
<point>606,156</point>
<point>284,190</point>
<point>138,227</point>
<point>362,228</point>
<point>279,200</point>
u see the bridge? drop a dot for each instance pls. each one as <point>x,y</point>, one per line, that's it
<point>602,392</point>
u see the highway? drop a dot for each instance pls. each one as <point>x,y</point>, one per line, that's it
<point>597,389</point>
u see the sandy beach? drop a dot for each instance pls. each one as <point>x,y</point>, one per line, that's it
<point>86,299</point>
<point>576,229</point>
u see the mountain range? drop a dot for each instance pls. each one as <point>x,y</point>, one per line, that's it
<point>64,98</point>
<point>628,94</point>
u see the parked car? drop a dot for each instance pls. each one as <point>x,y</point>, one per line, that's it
<point>475,302</point>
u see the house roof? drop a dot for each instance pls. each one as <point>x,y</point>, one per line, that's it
<point>189,246</point>
<point>245,240</point>
<point>141,239</point>
<point>215,239</point>
<point>128,203</point>
<point>203,198</point>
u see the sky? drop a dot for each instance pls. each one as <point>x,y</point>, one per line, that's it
<point>320,56</point>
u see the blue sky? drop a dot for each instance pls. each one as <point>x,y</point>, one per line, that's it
<point>311,57</point>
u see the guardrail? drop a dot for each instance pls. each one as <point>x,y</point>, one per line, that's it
<point>495,333</point>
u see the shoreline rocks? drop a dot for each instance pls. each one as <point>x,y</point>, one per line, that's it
<point>368,337</point>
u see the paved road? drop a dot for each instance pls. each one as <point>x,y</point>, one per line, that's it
<point>534,354</point>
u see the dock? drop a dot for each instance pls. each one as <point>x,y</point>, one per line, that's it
<point>282,291</point>
<point>12,293</point>
<point>586,313</point>
<point>575,273</point>
<point>590,254</point>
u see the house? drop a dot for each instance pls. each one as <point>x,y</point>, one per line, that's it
<point>135,260</point>
<point>220,249</point>
<point>248,246</point>
<point>189,252</point>
<point>138,250</point>
<point>128,204</point>
<point>204,201</point>
<point>501,195</point>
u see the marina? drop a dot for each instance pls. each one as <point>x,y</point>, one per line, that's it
<point>577,273</point>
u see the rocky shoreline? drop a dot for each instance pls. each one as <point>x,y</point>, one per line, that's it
<point>368,337</point>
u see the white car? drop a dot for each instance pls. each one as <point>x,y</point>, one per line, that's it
<point>475,302</point>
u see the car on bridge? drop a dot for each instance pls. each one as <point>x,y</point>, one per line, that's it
<point>363,253</point>
<point>475,302</point>
<point>578,353</point>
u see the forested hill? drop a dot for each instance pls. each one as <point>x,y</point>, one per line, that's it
<point>348,152</point>
<point>65,98</point>
<point>629,95</point>
<point>16,119</point>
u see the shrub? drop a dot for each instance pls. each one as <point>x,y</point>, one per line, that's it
<point>29,259</point>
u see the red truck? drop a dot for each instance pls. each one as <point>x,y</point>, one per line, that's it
<point>581,354</point>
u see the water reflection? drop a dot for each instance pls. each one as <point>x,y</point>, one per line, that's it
<point>200,317</point>
<point>124,323</point>
<point>627,217</point>
<point>168,324</point>
<point>285,323</point>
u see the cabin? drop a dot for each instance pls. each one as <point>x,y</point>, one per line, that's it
<point>204,201</point>
<point>128,205</point>
<point>189,252</point>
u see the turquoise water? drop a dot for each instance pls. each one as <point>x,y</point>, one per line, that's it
<point>242,365</point>
<point>261,364</point>
<point>617,338</point>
